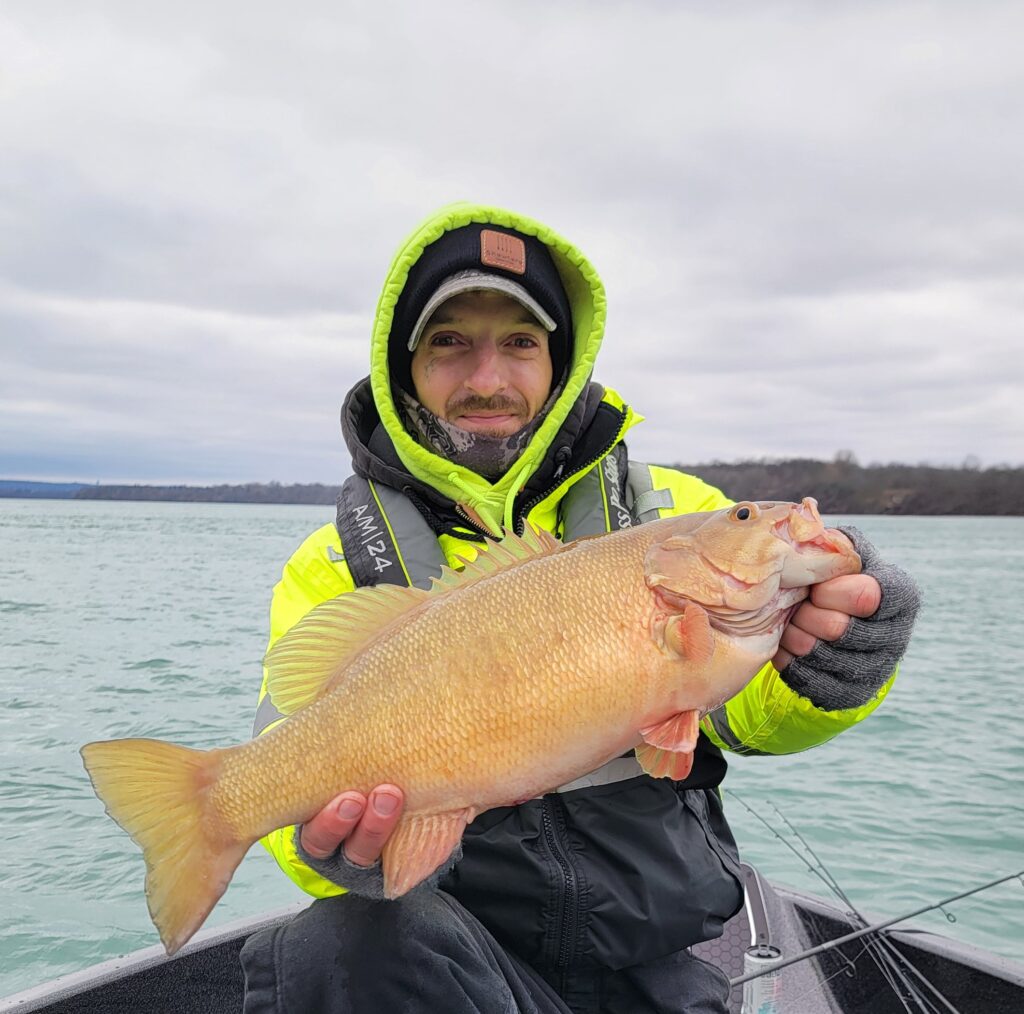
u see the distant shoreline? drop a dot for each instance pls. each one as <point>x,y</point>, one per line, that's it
<point>841,486</point>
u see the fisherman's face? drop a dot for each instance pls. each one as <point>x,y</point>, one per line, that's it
<point>483,364</point>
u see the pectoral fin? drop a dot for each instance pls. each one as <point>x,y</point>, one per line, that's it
<point>418,846</point>
<point>690,636</point>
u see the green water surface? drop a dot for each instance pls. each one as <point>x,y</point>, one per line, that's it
<point>150,619</point>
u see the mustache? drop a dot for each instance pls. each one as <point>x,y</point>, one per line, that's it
<point>499,403</point>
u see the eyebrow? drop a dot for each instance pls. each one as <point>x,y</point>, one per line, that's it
<point>441,318</point>
<point>448,318</point>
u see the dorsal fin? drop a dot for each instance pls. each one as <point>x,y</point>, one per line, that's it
<point>305,661</point>
<point>498,556</point>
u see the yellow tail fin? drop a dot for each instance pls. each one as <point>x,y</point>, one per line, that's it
<point>159,793</point>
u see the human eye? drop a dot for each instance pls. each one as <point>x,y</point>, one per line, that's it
<point>443,339</point>
<point>524,341</point>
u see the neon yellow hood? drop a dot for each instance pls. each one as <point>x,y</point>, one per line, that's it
<point>492,502</point>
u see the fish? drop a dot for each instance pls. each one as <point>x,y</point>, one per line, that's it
<point>532,665</point>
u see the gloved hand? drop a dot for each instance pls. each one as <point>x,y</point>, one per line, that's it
<point>836,664</point>
<point>344,841</point>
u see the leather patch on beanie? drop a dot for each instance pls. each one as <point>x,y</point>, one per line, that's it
<point>499,250</point>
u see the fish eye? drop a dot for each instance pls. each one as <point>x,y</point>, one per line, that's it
<point>744,512</point>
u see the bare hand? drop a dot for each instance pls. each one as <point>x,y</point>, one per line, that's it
<point>363,825</point>
<point>826,614</point>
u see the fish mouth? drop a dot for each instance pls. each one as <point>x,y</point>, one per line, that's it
<point>804,530</point>
<point>814,553</point>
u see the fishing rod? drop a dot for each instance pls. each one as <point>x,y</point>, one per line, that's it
<point>883,961</point>
<point>887,958</point>
<point>890,961</point>
<point>874,928</point>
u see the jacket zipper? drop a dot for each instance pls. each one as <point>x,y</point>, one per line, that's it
<point>524,511</point>
<point>469,521</point>
<point>568,915</point>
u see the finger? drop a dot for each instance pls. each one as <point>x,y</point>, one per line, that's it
<point>383,811</point>
<point>796,640</point>
<point>853,594</point>
<point>323,833</point>
<point>821,624</point>
<point>782,659</point>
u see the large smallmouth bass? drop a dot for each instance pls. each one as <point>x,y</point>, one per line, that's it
<point>534,665</point>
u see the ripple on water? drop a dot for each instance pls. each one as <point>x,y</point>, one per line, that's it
<point>147,663</point>
<point>171,678</point>
<point>43,744</point>
<point>11,606</point>
<point>21,704</point>
<point>40,791</point>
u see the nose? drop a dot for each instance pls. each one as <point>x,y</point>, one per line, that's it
<point>486,377</point>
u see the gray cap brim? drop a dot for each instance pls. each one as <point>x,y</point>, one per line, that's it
<point>475,281</point>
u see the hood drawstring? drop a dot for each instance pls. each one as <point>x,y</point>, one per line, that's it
<point>523,469</point>
<point>459,483</point>
<point>509,518</point>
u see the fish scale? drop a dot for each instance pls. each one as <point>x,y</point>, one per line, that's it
<point>536,665</point>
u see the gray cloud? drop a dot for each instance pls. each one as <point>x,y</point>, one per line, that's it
<point>808,218</point>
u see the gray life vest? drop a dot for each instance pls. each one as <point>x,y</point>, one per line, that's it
<point>386,540</point>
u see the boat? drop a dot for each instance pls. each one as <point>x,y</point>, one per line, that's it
<point>883,971</point>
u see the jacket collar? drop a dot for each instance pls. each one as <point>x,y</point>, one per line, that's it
<point>590,428</point>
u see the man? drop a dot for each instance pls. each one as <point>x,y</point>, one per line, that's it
<point>479,413</point>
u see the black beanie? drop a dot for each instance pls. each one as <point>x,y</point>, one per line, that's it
<point>514,255</point>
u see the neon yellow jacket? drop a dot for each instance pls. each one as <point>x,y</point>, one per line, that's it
<point>765,718</point>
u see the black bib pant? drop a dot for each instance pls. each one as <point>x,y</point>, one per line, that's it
<point>426,954</point>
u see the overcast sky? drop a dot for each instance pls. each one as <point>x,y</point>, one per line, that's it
<point>808,218</point>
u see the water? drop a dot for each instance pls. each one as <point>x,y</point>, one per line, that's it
<point>139,619</point>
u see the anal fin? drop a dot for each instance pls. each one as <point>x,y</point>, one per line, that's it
<point>418,846</point>
<point>667,750</point>
<point>660,763</point>
<point>678,732</point>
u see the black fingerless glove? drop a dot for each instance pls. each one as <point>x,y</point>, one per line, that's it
<point>847,673</point>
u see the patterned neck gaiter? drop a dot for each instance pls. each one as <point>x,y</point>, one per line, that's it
<point>488,456</point>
